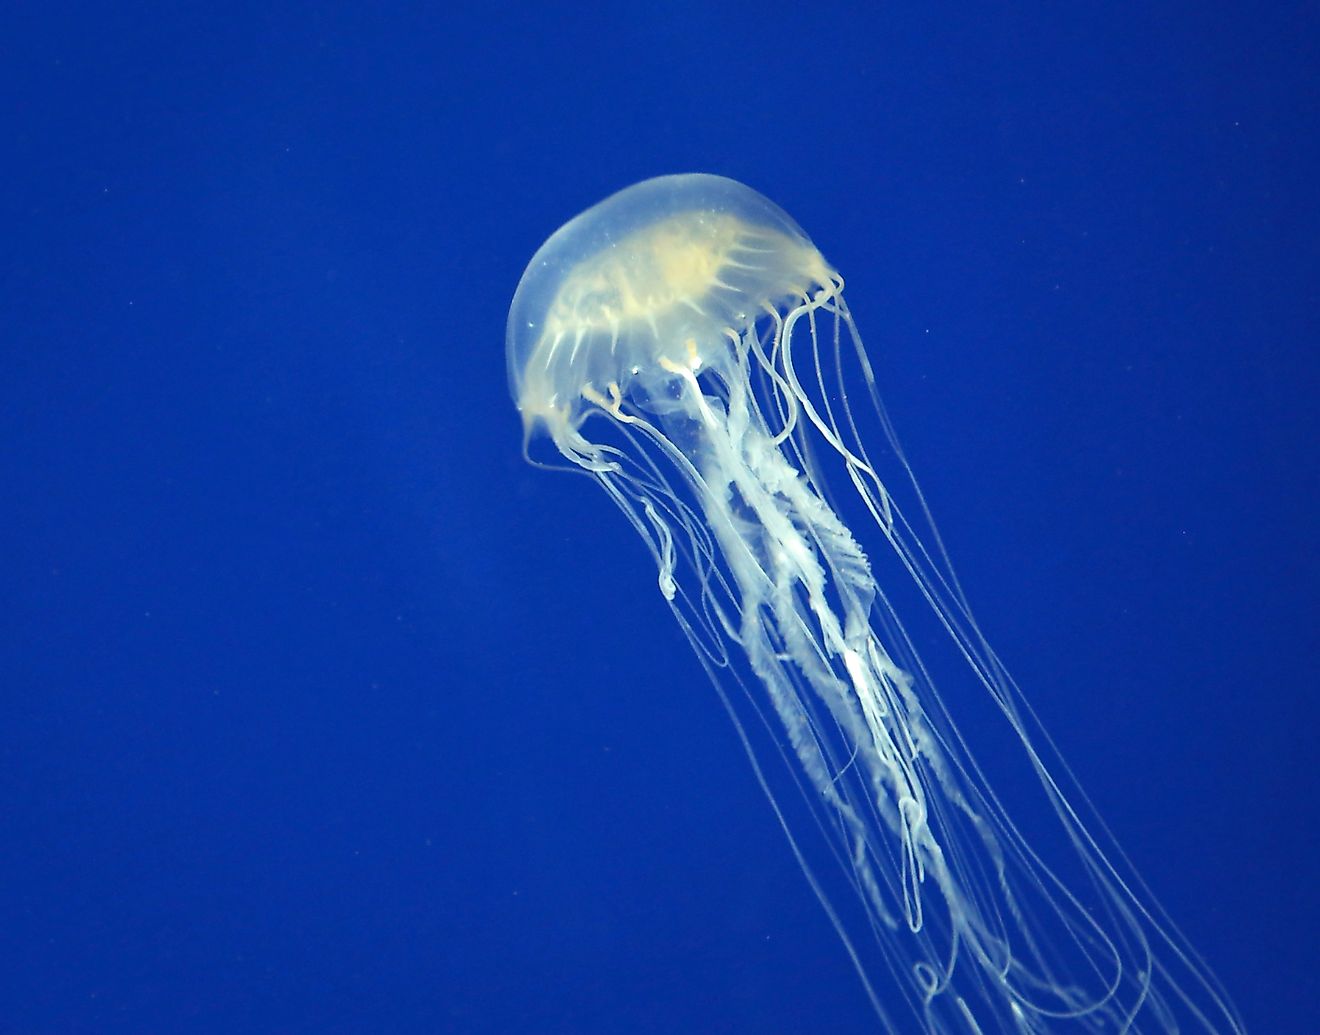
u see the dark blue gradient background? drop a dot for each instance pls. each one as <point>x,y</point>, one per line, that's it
<point>322,712</point>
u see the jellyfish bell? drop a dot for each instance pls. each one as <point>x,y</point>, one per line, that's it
<point>686,345</point>
<point>667,273</point>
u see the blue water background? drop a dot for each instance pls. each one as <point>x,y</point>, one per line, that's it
<point>322,712</point>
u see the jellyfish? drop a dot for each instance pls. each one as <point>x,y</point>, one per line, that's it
<point>685,345</point>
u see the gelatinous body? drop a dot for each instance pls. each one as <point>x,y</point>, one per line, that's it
<point>686,344</point>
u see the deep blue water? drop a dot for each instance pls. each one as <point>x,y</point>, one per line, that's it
<point>323,712</point>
